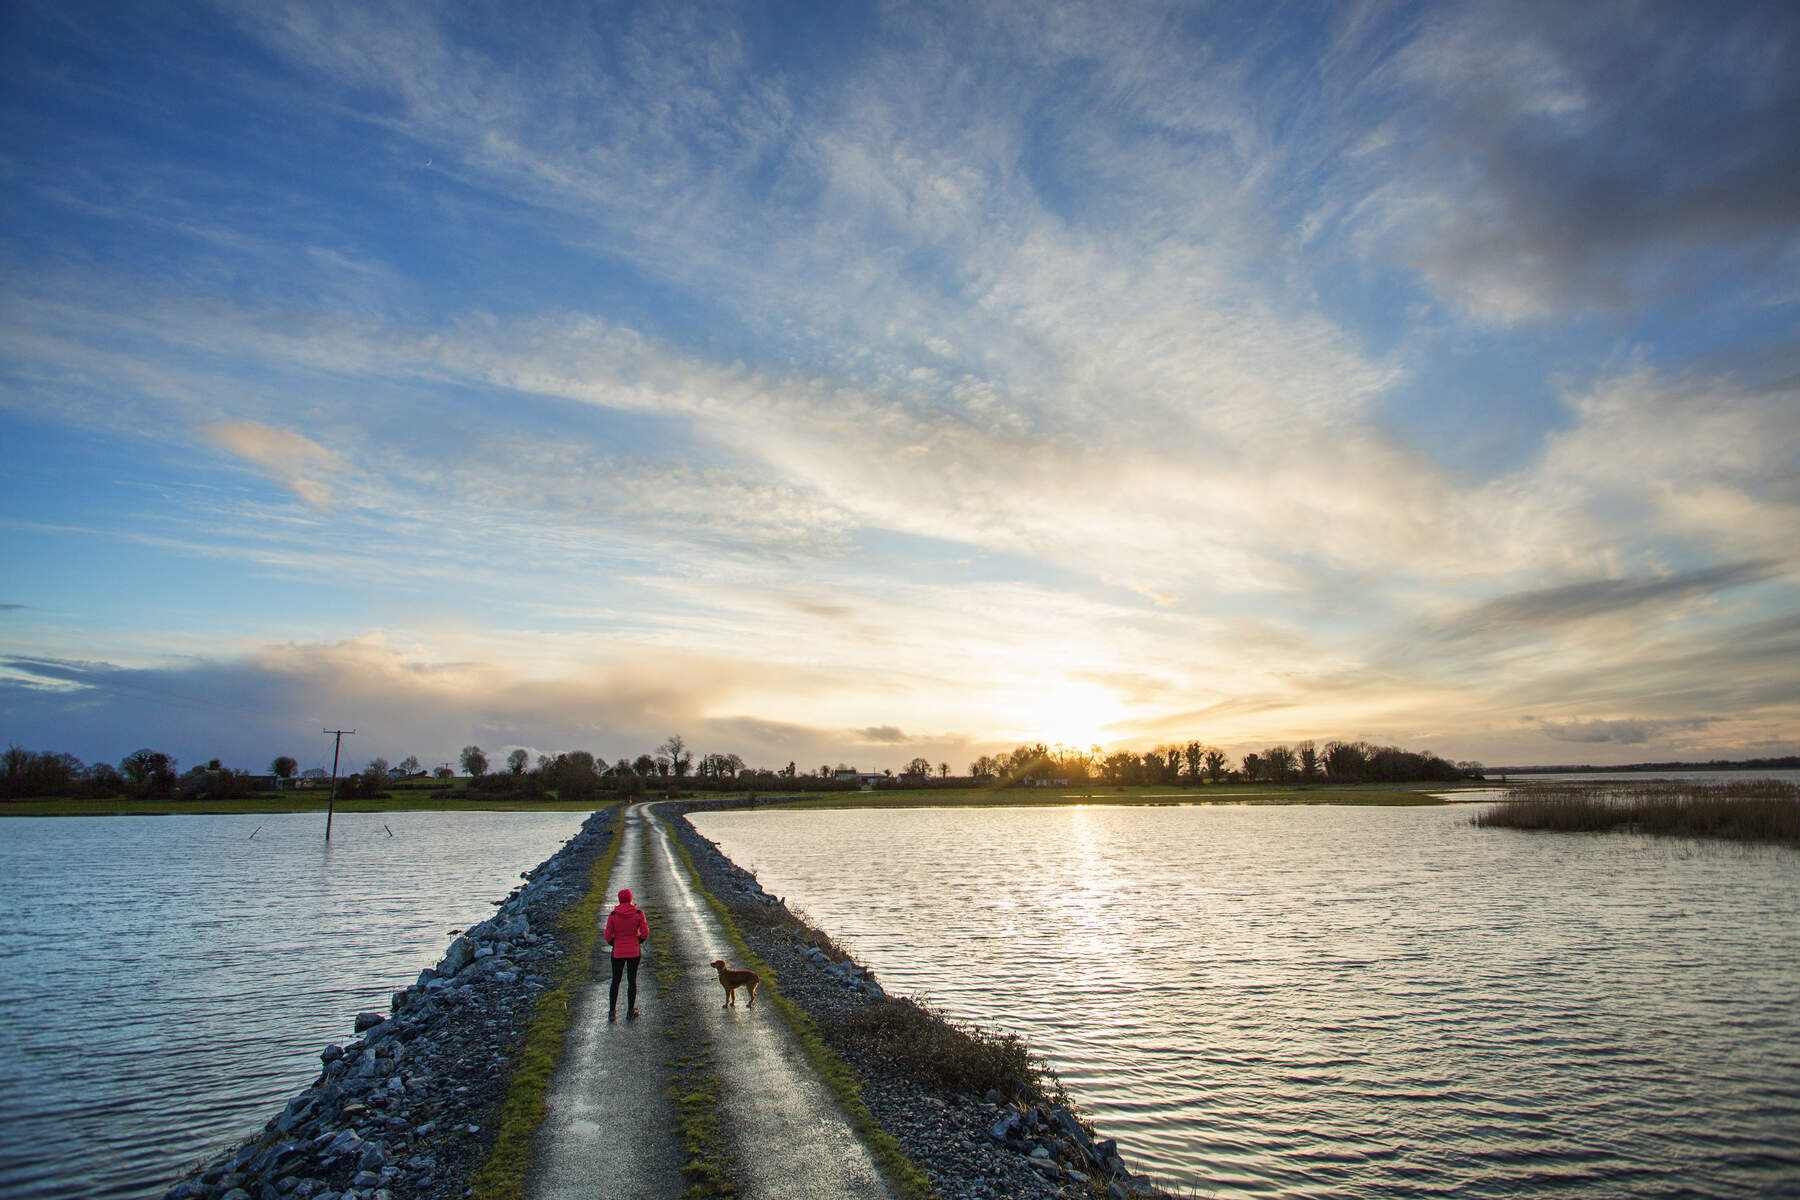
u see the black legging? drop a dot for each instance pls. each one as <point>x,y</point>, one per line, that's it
<point>628,968</point>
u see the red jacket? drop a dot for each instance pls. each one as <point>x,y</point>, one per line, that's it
<point>625,928</point>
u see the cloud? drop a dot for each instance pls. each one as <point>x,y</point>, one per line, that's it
<point>882,735</point>
<point>1560,157</point>
<point>829,612</point>
<point>1625,731</point>
<point>1040,349</point>
<point>298,462</point>
<point>274,700</point>
<point>1684,458</point>
<point>808,458</point>
<point>1543,609</point>
<point>609,699</point>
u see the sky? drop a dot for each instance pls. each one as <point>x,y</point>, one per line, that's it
<point>844,383</point>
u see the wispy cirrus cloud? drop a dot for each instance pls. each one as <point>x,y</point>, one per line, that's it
<point>1075,354</point>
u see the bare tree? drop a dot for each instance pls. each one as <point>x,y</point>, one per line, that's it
<point>678,755</point>
<point>720,766</point>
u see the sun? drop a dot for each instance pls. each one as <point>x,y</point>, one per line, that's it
<point>1071,713</point>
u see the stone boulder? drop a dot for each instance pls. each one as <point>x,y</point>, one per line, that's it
<point>460,955</point>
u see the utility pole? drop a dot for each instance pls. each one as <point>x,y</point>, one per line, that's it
<point>331,804</point>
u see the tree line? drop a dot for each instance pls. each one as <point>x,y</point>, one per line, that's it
<point>673,765</point>
<point>153,774</point>
<point>144,773</point>
<point>1193,763</point>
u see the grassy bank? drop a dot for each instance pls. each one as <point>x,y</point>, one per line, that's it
<point>502,1177</point>
<point>1740,810</point>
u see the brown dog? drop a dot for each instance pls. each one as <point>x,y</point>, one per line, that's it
<point>732,980</point>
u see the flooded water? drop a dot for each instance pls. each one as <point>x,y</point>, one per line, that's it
<point>1345,1002</point>
<point>168,982</point>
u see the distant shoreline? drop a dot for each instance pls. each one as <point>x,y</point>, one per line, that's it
<point>269,803</point>
<point>1789,763</point>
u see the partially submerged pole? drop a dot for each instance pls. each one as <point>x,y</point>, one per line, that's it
<point>331,802</point>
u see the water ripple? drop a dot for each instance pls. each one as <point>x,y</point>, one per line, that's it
<point>168,983</point>
<point>1348,1002</point>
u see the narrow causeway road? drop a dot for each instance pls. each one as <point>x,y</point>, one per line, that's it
<point>610,1130</point>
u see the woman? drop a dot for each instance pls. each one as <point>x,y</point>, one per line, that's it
<point>626,931</point>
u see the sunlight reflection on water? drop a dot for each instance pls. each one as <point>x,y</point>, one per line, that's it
<point>1344,1001</point>
<point>168,982</point>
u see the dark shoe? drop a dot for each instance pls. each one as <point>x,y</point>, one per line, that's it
<point>632,1015</point>
<point>612,1014</point>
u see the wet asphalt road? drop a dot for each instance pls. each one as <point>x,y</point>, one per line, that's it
<point>609,1131</point>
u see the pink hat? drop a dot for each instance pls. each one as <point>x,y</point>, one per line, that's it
<point>624,895</point>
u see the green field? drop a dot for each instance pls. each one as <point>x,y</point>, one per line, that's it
<point>1362,794</point>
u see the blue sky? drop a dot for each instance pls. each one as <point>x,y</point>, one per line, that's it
<point>844,383</point>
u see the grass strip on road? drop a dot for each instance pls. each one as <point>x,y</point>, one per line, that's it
<point>695,1089</point>
<point>694,1084</point>
<point>838,1074</point>
<point>502,1177</point>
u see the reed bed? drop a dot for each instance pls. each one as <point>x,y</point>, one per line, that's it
<point>1739,810</point>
